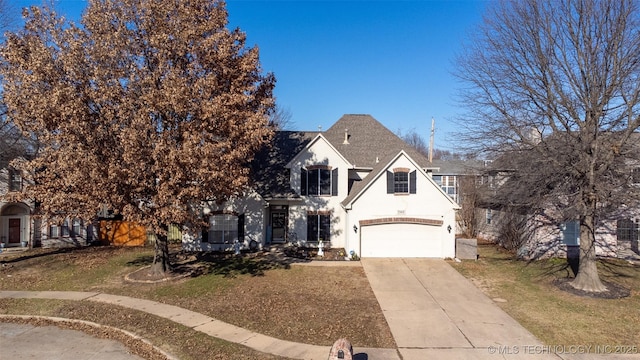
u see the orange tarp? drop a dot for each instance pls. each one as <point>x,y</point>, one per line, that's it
<point>122,233</point>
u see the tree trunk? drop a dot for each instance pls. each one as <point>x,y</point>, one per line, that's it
<point>587,278</point>
<point>161,261</point>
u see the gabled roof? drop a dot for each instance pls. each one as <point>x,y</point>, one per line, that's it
<point>370,146</point>
<point>315,140</point>
<point>369,142</point>
<point>380,168</point>
<point>270,177</point>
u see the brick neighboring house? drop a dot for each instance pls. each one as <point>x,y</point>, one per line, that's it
<point>356,186</point>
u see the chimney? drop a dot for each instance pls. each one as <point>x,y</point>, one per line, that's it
<point>346,137</point>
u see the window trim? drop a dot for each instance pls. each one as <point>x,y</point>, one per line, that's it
<point>401,182</point>
<point>411,183</point>
<point>321,222</point>
<point>319,180</point>
<point>207,234</point>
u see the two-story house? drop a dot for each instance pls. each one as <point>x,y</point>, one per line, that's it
<point>20,228</point>
<point>15,217</point>
<point>356,186</point>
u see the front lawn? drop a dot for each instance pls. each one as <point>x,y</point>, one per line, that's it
<point>308,304</point>
<point>527,292</point>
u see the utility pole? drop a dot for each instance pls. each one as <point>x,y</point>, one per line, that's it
<point>433,131</point>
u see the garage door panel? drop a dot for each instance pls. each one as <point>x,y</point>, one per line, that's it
<point>401,240</point>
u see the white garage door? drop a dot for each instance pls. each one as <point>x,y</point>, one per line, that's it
<point>400,240</point>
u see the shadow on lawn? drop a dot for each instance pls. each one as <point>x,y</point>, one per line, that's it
<point>220,263</point>
<point>232,265</point>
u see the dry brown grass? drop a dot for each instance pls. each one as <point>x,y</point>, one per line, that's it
<point>307,304</point>
<point>555,316</point>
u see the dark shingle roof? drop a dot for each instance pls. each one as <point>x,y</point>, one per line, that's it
<point>269,174</point>
<point>371,145</point>
<point>369,141</point>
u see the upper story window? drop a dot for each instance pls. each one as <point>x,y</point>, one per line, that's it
<point>319,180</point>
<point>15,180</point>
<point>449,184</point>
<point>401,181</point>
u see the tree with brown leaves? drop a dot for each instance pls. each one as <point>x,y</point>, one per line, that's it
<point>148,108</point>
<point>553,91</point>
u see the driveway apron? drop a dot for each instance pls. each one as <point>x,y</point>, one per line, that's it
<point>432,310</point>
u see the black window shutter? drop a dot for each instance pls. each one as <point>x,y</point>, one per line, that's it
<point>412,182</point>
<point>205,234</point>
<point>390,189</point>
<point>241,227</point>
<point>334,182</point>
<point>303,182</point>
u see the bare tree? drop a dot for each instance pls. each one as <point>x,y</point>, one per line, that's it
<point>150,108</point>
<point>470,196</point>
<point>553,87</point>
<point>281,118</point>
<point>413,139</point>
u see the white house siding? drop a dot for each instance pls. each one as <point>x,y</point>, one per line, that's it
<point>407,240</point>
<point>252,206</point>
<point>320,152</point>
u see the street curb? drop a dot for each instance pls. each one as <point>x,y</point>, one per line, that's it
<point>56,320</point>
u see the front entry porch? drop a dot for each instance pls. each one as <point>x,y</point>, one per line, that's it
<point>278,222</point>
<point>14,225</point>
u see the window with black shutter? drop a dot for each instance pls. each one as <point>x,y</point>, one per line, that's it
<point>319,180</point>
<point>401,181</point>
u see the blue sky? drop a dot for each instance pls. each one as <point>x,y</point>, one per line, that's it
<point>390,59</point>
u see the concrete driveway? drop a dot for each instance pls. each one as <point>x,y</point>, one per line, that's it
<point>436,313</point>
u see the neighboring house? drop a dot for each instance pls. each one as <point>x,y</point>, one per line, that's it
<point>18,226</point>
<point>15,217</point>
<point>355,186</point>
<point>542,236</point>
<point>447,174</point>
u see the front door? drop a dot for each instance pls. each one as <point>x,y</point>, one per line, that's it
<point>278,226</point>
<point>14,231</point>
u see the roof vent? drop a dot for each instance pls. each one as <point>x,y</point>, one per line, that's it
<point>346,137</point>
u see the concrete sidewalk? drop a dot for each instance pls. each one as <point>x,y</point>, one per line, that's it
<point>433,313</point>
<point>436,313</point>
